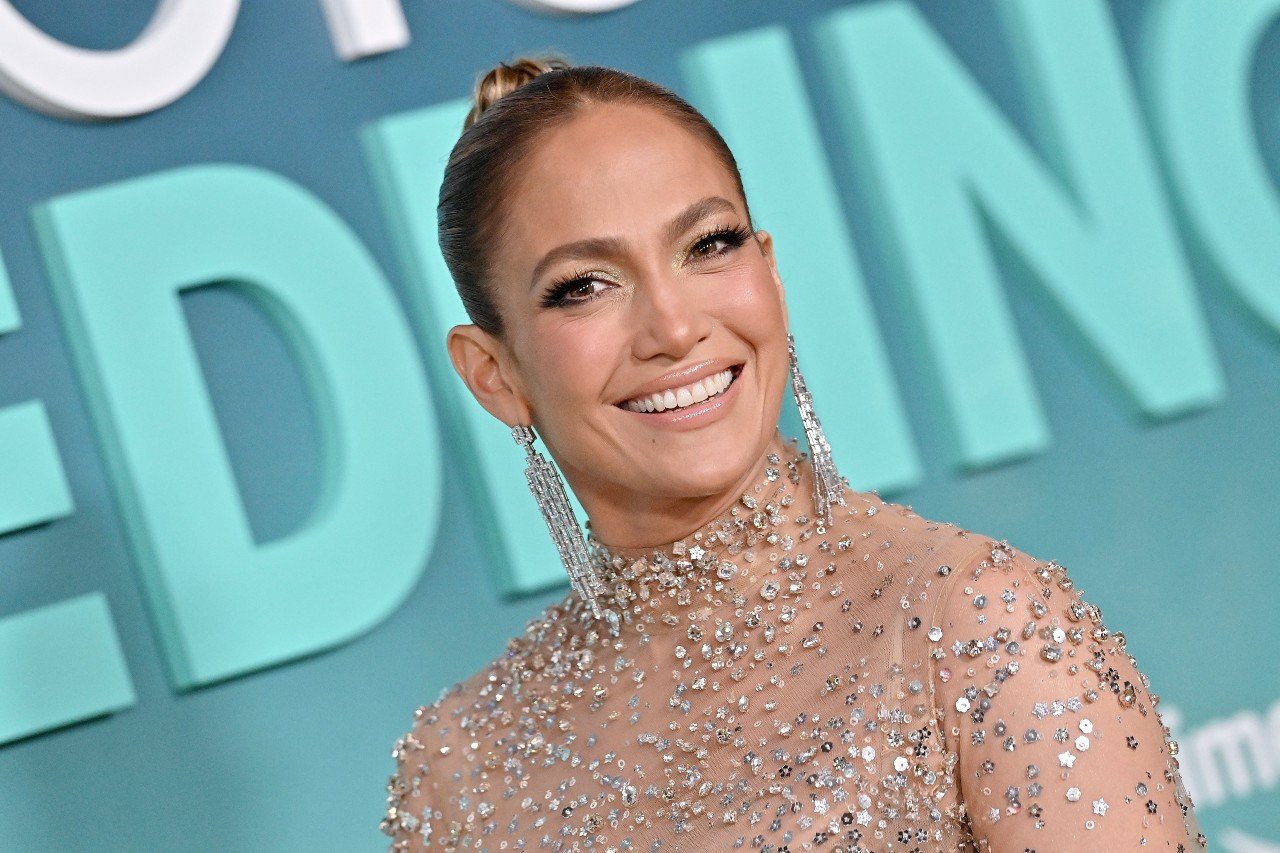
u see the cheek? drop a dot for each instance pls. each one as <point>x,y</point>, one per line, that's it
<point>750,306</point>
<point>573,361</point>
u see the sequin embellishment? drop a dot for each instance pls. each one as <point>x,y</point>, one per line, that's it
<point>769,683</point>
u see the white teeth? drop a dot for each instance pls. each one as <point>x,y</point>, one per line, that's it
<point>685,395</point>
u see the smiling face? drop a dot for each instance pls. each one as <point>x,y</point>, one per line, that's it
<point>645,329</point>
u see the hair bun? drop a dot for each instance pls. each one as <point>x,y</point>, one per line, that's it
<point>506,77</point>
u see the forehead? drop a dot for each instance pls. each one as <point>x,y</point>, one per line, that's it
<point>612,170</point>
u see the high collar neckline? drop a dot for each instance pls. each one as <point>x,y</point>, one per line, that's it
<point>714,562</point>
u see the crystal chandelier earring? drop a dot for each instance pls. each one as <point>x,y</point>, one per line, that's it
<point>553,501</point>
<point>828,486</point>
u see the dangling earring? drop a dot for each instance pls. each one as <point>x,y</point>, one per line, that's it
<point>548,490</point>
<point>828,487</point>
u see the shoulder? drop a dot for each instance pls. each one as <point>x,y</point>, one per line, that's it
<point>899,531</point>
<point>891,517</point>
<point>1006,613</point>
<point>1047,711</point>
<point>884,565</point>
<point>893,540</point>
<point>430,795</point>
<point>475,705</point>
<point>976,579</point>
<point>422,792</point>
<point>1005,599</point>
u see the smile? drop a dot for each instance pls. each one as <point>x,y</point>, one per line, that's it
<point>684,395</point>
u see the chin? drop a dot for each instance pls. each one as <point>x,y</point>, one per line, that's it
<point>710,467</point>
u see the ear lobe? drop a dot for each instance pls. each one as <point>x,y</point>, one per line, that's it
<point>481,361</point>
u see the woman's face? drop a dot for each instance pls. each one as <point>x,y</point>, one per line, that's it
<point>645,329</point>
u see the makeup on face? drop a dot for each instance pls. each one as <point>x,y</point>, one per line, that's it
<point>644,314</point>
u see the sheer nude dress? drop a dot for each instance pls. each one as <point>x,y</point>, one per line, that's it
<point>768,683</point>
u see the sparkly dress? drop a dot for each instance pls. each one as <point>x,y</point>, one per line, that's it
<point>888,683</point>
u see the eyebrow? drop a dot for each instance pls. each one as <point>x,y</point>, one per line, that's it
<point>594,247</point>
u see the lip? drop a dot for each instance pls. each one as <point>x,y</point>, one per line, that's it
<point>686,375</point>
<point>699,414</point>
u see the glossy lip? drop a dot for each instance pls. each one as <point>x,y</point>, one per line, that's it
<point>699,414</point>
<point>681,376</point>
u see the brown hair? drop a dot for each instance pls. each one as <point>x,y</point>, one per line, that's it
<point>513,103</point>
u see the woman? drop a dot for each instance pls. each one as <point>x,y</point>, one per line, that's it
<point>753,654</point>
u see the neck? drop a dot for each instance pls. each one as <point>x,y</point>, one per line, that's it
<point>626,523</point>
<point>717,563</point>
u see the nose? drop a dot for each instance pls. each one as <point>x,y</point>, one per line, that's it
<point>669,319</point>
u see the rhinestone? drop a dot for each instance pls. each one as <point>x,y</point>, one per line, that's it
<point>642,730</point>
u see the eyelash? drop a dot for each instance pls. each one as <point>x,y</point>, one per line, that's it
<point>733,236</point>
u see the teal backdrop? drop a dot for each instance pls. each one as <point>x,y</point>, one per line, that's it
<point>249,519</point>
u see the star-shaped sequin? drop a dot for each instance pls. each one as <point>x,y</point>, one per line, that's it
<point>1066,759</point>
<point>1100,806</point>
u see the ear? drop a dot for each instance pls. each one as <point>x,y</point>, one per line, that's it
<point>765,240</point>
<point>485,366</point>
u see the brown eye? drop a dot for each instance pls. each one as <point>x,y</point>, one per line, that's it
<point>574,290</point>
<point>583,288</point>
<point>719,242</point>
<point>710,246</point>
